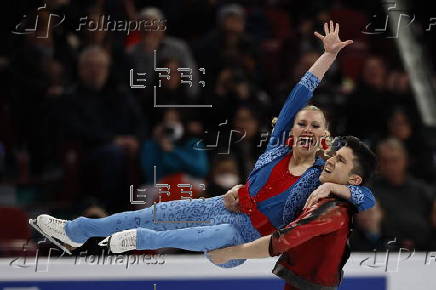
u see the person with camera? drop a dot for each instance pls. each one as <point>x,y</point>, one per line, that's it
<point>172,149</point>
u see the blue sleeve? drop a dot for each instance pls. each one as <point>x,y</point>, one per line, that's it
<point>361,197</point>
<point>297,99</point>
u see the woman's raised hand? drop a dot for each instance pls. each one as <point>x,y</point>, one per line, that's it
<point>332,42</point>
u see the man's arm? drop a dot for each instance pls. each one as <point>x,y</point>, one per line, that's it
<point>322,220</point>
<point>252,250</point>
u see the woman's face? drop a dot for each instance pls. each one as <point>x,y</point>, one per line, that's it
<point>309,127</point>
<point>399,126</point>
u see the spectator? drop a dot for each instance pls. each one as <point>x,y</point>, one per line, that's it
<point>403,127</point>
<point>227,43</point>
<point>103,120</point>
<point>167,47</point>
<point>32,80</point>
<point>293,74</point>
<point>246,151</point>
<point>120,63</point>
<point>224,175</point>
<point>233,89</point>
<point>370,95</point>
<point>368,235</point>
<point>171,91</point>
<point>398,83</point>
<point>408,204</point>
<point>172,150</point>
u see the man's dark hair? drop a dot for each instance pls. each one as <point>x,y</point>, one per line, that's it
<point>365,160</point>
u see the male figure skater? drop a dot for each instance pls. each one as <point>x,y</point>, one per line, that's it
<point>314,247</point>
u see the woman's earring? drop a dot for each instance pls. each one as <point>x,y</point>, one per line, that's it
<point>290,141</point>
<point>325,143</point>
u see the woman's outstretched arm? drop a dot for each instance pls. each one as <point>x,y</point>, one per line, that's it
<point>302,92</point>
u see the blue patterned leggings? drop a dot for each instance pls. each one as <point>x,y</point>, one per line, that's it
<point>195,225</point>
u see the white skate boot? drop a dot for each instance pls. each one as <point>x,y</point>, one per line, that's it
<point>54,230</point>
<point>120,242</point>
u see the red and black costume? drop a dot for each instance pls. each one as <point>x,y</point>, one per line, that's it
<point>314,247</point>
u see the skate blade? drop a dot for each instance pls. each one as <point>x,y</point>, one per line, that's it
<point>32,222</point>
<point>106,244</point>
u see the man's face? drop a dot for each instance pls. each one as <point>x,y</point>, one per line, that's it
<point>392,161</point>
<point>94,70</point>
<point>234,23</point>
<point>338,168</point>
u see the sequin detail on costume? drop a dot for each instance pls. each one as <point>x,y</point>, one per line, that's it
<point>310,81</point>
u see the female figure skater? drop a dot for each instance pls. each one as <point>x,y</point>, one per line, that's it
<point>277,188</point>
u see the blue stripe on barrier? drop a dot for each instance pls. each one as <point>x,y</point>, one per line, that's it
<point>350,283</point>
<point>364,283</point>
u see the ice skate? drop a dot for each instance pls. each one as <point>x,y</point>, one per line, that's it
<point>120,242</point>
<point>53,229</point>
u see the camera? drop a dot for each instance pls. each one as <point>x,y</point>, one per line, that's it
<point>173,131</point>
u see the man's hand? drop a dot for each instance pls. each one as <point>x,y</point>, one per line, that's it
<point>164,142</point>
<point>332,42</point>
<point>370,220</point>
<point>130,143</point>
<point>231,199</point>
<point>322,191</point>
<point>219,256</point>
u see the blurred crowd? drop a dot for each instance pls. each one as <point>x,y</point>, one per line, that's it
<point>77,137</point>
